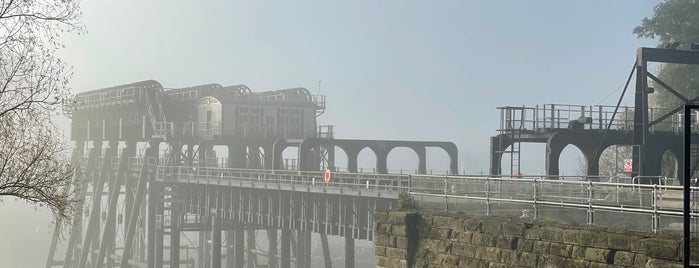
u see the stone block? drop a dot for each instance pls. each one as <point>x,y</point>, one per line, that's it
<point>599,255</point>
<point>473,225</point>
<point>551,234</point>
<point>570,236</point>
<point>592,239</point>
<point>661,248</point>
<point>463,250</point>
<point>441,234</point>
<point>379,251</point>
<point>599,265</point>
<point>491,226</point>
<point>435,258</point>
<point>624,258</point>
<point>541,247</point>
<point>401,242</point>
<point>436,245</point>
<point>506,242</point>
<point>622,241</point>
<point>578,252</point>
<point>640,260</point>
<point>384,240</point>
<point>562,250</point>
<point>461,236</point>
<point>402,217</point>
<point>472,263</point>
<point>527,259</point>
<point>442,222</point>
<point>510,256</point>
<point>397,253</point>
<point>380,216</point>
<point>382,261</point>
<point>513,228</point>
<point>546,260</point>
<point>488,254</point>
<point>533,233</point>
<point>482,239</point>
<point>382,228</point>
<point>576,263</point>
<point>525,245</point>
<point>399,230</point>
<point>658,263</point>
<point>450,261</point>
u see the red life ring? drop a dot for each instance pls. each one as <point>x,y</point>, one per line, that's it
<point>328,175</point>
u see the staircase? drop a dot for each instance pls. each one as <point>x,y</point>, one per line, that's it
<point>156,115</point>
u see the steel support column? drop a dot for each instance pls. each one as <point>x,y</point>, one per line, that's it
<point>175,234</point>
<point>326,250</point>
<point>152,151</point>
<point>230,249</point>
<point>215,241</point>
<point>108,235</point>
<point>272,258</point>
<point>94,220</point>
<point>285,261</point>
<point>239,247</point>
<point>251,256</point>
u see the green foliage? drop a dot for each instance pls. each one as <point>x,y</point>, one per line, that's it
<point>406,202</point>
<point>673,20</point>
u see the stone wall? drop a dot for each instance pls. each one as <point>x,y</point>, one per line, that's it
<point>440,239</point>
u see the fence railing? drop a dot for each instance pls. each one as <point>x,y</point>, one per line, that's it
<point>623,205</point>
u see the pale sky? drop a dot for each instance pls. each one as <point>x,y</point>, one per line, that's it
<point>405,70</point>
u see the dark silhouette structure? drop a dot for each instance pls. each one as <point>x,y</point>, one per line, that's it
<point>146,144</point>
<point>651,131</point>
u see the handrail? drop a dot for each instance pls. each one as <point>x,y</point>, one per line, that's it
<point>653,200</point>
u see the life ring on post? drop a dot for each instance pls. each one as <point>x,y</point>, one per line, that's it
<point>328,175</point>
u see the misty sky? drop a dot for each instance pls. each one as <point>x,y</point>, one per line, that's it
<point>402,70</point>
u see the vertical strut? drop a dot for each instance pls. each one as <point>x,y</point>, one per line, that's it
<point>152,151</point>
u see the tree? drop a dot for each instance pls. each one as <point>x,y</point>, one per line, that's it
<point>673,21</point>
<point>33,87</point>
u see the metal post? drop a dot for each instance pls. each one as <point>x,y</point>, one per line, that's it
<point>108,235</point>
<point>687,183</point>
<point>285,249</point>
<point>326,250</point>
<point>94,220</point>
<point>590,213</point>
<point>535,197</point>
<point>251,247</point>
<point>272,258</point>
<point>300,249</point>
<point>140,194</point>
<point>216,241</point>
<point>230,249</point>
<point>239,247</point>
<point>446,196</point>
<point>175,234</point>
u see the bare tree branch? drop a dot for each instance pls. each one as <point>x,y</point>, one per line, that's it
<point>33,86</point>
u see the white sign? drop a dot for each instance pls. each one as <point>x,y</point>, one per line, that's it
<point>628,165</point>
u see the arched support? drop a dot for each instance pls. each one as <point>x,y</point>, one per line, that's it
<point>422,159</point>
<point>554,147</point>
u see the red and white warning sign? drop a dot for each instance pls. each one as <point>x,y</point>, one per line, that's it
<point>628,165</point>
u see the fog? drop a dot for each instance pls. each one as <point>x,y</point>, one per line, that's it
<point>399,70</point>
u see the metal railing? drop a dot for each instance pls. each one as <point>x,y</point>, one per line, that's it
<point>631,206</point>
<point>556,116</point>
<point>388,185</point>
